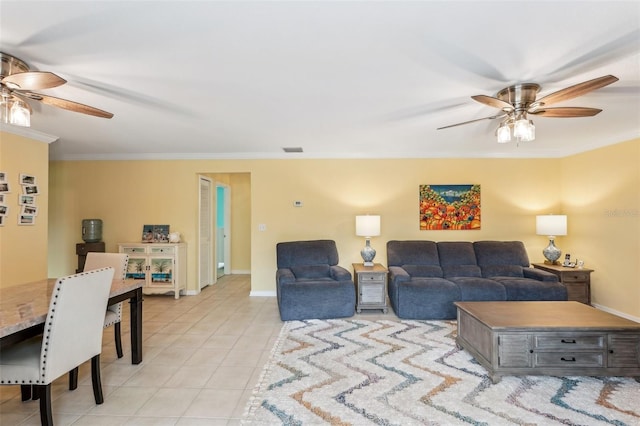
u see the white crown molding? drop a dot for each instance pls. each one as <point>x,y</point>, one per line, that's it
<point>28,132</point>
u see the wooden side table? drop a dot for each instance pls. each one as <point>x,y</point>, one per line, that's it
<point>576,280</point>
<point>371,287</point>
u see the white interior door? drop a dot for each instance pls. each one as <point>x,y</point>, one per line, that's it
<point>205,238</point>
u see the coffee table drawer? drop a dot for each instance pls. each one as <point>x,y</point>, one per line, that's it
<point>575,359</point>
<point>569,342</point>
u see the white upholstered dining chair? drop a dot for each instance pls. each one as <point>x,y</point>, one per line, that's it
<point>72,335</point>
<point>113,316</point>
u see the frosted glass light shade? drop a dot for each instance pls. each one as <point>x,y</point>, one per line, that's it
<point>367,226</point>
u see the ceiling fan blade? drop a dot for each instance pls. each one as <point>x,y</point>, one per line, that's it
<point>566,112</point>
<point>33,80</point>
<point>68,105</point>
<point>473,121</point>
<point>493,102</point>
<point>576,90</point>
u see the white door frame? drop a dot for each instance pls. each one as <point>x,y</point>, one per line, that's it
<point>211,276</point>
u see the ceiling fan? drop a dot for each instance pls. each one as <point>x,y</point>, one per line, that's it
<point>16,84</point>
<point>516,101</point>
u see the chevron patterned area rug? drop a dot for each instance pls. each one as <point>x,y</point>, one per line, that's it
<point>360,372</point>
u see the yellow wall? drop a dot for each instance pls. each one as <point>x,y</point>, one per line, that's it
<point>128,194</point>
<point>23,249</point>
<point>602,201</point>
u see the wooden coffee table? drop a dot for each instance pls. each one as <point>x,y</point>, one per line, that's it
<point>548,338</point>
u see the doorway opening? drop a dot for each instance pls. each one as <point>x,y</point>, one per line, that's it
<point>223,230</point>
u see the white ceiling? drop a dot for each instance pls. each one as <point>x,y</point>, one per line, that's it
<point>347,79</point>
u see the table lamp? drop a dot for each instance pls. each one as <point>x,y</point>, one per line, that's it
<point>368,226</point>
<point>551,225</point>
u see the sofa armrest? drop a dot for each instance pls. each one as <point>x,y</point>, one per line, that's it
<point>285,276</point>
<point>539,274</point>
<point>397,274</point>
<point>339,273</point>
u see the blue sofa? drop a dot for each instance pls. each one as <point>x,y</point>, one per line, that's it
<point>426,278</point>
<point>309,282</point>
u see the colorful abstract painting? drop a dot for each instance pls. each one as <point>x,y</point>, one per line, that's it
<point>446,207</point>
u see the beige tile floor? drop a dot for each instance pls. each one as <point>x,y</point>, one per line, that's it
<point>202,357</point>
<point>202,354</point>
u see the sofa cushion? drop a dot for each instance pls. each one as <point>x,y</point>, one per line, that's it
<point>528,289</point>
<point>412,253</point>
<point>300,253</point>
<point>500,253</point>
<point>458,259</point>
<point>479,289</point>
<point>489,271</point>
<point>423,271</point>
<point>461,271</point>
<point>311,271</point>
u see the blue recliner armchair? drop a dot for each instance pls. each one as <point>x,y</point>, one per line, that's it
<point>309,282</point>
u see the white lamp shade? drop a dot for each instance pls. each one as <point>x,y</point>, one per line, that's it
<point>367,226</point>
<point>551,224</point>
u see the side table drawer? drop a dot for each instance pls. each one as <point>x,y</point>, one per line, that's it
<point>364,277</point>
<point>569,343</point>
<point>569,359</point>
<point>576,276</point>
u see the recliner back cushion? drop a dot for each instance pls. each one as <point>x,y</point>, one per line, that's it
<point>458,259</point>
<point>311,271</point>
<point>426,271</point>
<point>305,253</point>
<point>501,258</point>
<point>401,253</point>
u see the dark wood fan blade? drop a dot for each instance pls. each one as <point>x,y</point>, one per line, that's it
<point>473,121</point>
<point>576,90</point>
<point>493,102</point>
<point>566,112</point>
<point>33,80</point>
<point>68,105</point>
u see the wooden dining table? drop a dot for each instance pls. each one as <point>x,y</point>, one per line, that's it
<point>24,308</point>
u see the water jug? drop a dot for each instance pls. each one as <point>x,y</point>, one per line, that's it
<point>92,230</point>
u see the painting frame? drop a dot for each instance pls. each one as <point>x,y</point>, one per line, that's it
<point>449,207</point>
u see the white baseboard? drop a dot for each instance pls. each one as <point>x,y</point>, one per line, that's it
<point>240,272</point>
<point>270,293</point>
<point>614,312</point>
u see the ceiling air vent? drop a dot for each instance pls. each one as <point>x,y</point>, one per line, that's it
<point>292,149</point>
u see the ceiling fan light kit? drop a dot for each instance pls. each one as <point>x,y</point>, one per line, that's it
<point>520,99</point>
<point>16,83</point>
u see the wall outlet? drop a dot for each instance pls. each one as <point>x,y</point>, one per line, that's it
<point>297,203</point>
<point>262,227</point>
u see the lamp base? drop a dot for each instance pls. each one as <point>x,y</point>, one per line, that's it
<point>368,253</point>
<point>551,253</point>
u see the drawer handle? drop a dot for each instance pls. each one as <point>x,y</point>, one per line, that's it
<point>568,341</point>
<point>610,351</point>
<point>572,359</point>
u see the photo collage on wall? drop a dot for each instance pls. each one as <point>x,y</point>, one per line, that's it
<point>27,208</point>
